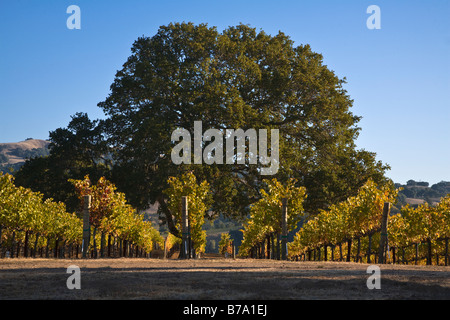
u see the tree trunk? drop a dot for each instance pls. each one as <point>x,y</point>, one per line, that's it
<point>95,243</point>
<point>272,240</point>
<point>109,245</point>
<point>18,248</point>
<point>263,247</point>
<point>46,247</point>
<point>393,255</point>
<point>417,253</point>
<point>358,251</point>
<point>13,239</point>
<point>56,248</point>
<point>124,245</point>
<point>102,244</point>
<point>429,252</point>
<point>63,250</point>
<point>25,250</point>
<point>349,249</point>
<point>278,246</point>
<point>35,245</point>
<point>170,223</point>
<point>446,251</point>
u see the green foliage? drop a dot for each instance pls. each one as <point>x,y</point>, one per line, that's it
<point>24,210</point>
<point>75,151</point>
<point>356,217</point>
<point>265,217</point>
<point>35,152</point>
<point>110,213</point>
<point>199,201</point>
<point>225,244</point>
<point>416,225</point>
<point>3,158</point>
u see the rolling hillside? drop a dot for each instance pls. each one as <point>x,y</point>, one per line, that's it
<point>13,155</point>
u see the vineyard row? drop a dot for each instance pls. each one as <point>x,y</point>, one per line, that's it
<point>31,225</point>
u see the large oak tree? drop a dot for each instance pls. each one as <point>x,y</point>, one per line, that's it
<point>238,78</point>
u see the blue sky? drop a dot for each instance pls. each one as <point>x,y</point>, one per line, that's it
<point>398,76</point>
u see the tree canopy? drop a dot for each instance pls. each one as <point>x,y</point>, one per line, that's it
<point>239,78</point>
<point>75,151</point>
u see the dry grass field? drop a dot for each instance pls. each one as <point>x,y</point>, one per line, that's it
<point>217,279</point>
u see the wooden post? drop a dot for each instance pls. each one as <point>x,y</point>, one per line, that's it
<point>383,236</point>
<point>46,247</point>
<point>263,251</point>
<point>349,249</point>
<point>86,225</point>
<point>393,255</point>
<point>102,244</point>
<point>35,244</point>
<point>277,255</point>
<point>284,215</point>
<point>272,240</point>
<point>185,245</point>
<point>446,252</point>
<point>25,249</point>
<point>233,250</point>
<point>109,245</point>
<point>189,240</point>
<point>95,243</point>
<point>358,250</point>
<point>429,252</point>
<point>417,253</point>
<point>12,244</point>
<point>165,247</point>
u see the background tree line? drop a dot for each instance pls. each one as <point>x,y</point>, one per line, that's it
<point>423,191</point>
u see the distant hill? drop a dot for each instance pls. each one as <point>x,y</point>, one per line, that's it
<point>415,193</point>
<point>13,155</point>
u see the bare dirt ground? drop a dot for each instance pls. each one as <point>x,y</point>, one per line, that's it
<point>217,279</point>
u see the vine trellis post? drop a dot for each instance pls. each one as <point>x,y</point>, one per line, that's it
<point>186,237</point>
<point>383,234</point>
<point>86,225</point>
<point>284,215</point>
